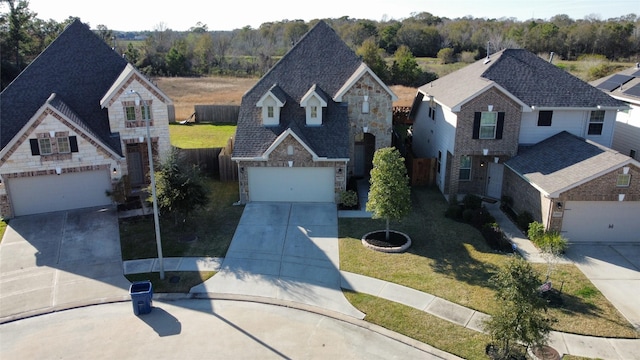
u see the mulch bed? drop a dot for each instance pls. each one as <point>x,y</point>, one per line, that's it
<point>378,239</point>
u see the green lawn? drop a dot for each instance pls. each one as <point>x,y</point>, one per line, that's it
<point>450,259</point>
<point>447,259</point>
<point>196,136</point>
<point>3,227</point>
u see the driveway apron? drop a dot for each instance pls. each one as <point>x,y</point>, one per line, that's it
<point>285,251</point>
<point>615,270</point>
<point>60,260</point>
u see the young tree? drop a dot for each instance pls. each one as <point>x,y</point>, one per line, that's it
<point>180,187</point>
<point>390,194</point>
<point>372,55</point>
<point>521,315</point>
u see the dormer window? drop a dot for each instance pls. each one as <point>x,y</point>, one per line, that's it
<point>271,103</point>
<point>313,102</point>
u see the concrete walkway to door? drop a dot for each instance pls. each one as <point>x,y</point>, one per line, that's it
<point>285,251</point>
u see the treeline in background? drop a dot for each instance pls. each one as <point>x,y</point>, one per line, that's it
<point>401,52</point>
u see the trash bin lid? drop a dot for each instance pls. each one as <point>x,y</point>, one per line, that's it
<point>140,287</point>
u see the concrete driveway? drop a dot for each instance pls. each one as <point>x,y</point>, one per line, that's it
<point>284,251</point>
<point>60,260</point>
<point>615,270</point>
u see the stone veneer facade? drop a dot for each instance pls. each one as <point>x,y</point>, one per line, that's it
<point>379,123</point>
<point>92,155</point>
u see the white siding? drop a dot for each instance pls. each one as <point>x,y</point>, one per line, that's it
<point>573,121</point>
<point>626,136</point>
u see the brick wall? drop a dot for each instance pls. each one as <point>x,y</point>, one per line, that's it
<point>504,148</point>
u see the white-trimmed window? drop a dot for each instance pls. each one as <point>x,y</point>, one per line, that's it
<point>624,180</point>
<point>465,168</point>
<point>314,112</point>
<point>45,146</point>
<point>130,113</point>
<point>596,122</point>
<point>488,124</point>
<point>270,113</point>
<point>63,145</point>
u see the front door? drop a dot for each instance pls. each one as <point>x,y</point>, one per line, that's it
<point>494,181</point>
<point>134,165</point>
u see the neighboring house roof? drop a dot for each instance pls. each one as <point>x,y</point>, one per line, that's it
<point>565,161</point>
<point>522,75</point>
<point>319,59</point>
<point>623,85</point>
<point>79,68</point>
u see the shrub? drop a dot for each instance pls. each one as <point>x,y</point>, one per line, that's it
<point>535,232</point>
<point>552,242</point>
<point>454,212</point>
<point>349,198</point>
<point>480,217</point>
<point>472,202</point>
<point>524,219</point>
<point>467,215</point>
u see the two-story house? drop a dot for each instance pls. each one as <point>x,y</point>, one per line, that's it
<point>71,127</point>
<point>478,121</point>
<point>625,86</point>
<point>314,119</point>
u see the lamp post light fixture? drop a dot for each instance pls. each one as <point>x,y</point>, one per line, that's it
<point>147,116</point>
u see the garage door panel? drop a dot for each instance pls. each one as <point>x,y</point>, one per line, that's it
<point>291,184</point>
<point>40,194</point>
<point>601,221</point>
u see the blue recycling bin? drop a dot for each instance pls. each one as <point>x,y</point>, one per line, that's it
<point>141,296</point>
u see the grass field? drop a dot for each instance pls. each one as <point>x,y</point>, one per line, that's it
<point>197,136</point>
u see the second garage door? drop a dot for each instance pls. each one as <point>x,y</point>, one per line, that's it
<point>40,194</point>
<point>292,184</point>
<point>606,221</point>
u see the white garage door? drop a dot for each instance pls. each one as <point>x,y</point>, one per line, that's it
<point>291,184</point>
<point>607,221</point>
<point>40,194</point>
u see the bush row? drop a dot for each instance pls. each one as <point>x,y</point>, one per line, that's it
<point>472,212</point>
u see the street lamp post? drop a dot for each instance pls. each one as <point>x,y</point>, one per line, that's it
<point>147,116</point>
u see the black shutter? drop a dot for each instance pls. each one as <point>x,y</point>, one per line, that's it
<point>35,148</point>
<point>476,125</point>
<point>73,144</point>
<point>500,125</point>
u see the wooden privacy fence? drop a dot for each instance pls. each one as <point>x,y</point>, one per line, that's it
<point>217,114</point>
<point>214,162</point>
<point>421,170</point>
<point>206,159</point>
<point>227,168</point>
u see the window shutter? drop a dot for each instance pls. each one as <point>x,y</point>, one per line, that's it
<point>500,125</point>
<point>73,144</point>
<point>476,125</point>
<point>35,148</point>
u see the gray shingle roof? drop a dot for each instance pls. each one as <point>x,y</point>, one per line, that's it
<point>531,79</point>
<point>564,161</point>
<point>79,68</point>
<point>320,58</point>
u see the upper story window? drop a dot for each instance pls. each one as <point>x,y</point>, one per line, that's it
<point>465,168</point>
<point>596,122</point>
<point>313,102</point>
<point>544,118</point>
<point>63,144</point>
<point>60,143</point>
<point>137,115</point>
<point>271,104</point>
<point>45,146</point>
<point>488,125</point>
<point>624,180</point>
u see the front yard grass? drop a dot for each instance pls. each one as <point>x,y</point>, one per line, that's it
<point>213,226</point>
<point>197,136</point>
<point>451,260</point>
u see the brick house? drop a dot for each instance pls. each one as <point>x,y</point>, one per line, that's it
<point>484,116</point>
<point>312,121</point>
<point>71,128</point>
